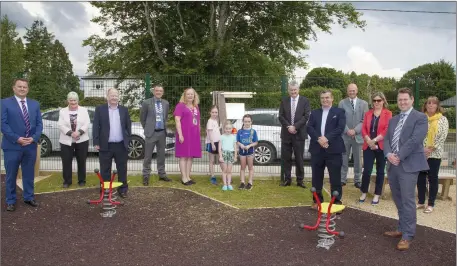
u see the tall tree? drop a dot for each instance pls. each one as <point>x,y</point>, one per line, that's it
<point>48,67</point>
<point>38,57</point>
<point>436,79</point>
<point>62,70</point>
<point>12,55</point>
<point>209,37</point>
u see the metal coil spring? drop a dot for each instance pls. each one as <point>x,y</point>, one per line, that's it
<point>108,209</point>
<point>326,239</point>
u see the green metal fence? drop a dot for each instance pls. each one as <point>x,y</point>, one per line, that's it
<point>263,106</point>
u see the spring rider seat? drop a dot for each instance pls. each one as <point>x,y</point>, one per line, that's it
<point>326,223</point>
<point>107,195</point>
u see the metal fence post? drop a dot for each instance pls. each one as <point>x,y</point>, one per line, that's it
<point>283,93</point>
<point>147,90</point>
<point>416,93</point>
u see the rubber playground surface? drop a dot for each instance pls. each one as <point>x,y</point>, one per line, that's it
<point>163,226</point>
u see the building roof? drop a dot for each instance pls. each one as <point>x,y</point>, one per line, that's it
<point>449,102</point>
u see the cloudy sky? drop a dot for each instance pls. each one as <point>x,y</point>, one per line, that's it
<point>392,43</point>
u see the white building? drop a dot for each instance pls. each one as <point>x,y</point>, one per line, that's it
<point>131,89</point>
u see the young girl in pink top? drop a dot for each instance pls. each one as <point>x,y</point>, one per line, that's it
<point>213,136</point>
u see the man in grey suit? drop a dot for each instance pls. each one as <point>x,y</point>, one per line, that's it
<point>404,149</point>
<point>355,109</point>
<point>153,117</point>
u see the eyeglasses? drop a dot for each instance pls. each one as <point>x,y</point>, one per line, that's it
<point>377,100</point>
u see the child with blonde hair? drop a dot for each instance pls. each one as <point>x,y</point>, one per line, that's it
<point>227,155</point>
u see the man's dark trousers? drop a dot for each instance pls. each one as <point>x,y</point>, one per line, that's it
<point>117,151</point>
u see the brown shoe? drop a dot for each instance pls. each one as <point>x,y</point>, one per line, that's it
<point>394,234</point>
<point>403,245</point>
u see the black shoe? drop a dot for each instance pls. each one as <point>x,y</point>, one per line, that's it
<point>192,182</point>
<point>286,183</point>
<point>358,185</point>
<point>188,183</point>
<point>32,203</point>
<point>249,186</point>
<point>301,184</point>
<point>166,179</point>
<point>242,186</point>
<point>82,184</point>
<point>11,207</point>
<point>145,181</point>
<point>66,185</point>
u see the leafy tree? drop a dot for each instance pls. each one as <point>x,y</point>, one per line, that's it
<point>48,67</point>
<point>436,79</point>
<point>62,70</point>
<point>209,38</point>
<point>12,55</point>
<point>325,77</point>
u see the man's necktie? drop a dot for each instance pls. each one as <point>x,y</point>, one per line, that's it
<point>293,111</point>
<point>159,111</point>
<point>25,114</point>
<point>352,104</point>
<point>397,132</point>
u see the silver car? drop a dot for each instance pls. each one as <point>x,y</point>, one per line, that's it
<point>50,138</point>
<point>268,127</point>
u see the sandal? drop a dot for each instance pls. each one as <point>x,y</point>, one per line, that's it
<point>429,209</point>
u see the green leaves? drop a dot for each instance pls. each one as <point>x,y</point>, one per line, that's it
<point>43,60</point>
<point>217,38</point>
<point>12,55</point>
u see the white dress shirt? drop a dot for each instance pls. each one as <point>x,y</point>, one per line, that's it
<point>325,111</point>
<point>20,104</point>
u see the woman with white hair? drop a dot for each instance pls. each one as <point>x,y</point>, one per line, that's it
<point>74,139</point>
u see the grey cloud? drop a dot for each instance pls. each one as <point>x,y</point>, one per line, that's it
<point>66,16</point>
<point>17,14</point>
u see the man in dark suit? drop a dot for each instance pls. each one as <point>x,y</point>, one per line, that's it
<point>404,150</point>
<point>111,132</point>
<point>293,116</point>
<point>21,128</point>
<point>325,127</point>
<point>153,118</point>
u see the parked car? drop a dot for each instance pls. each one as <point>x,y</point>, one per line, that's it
<point>50,138</point>
<point>268,127</point>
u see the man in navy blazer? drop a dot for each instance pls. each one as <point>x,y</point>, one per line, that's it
<point>111,133</point>
<point>325,127</point>
<point>21,129</point>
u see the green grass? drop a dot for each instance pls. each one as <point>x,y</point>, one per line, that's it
<point>265,193</point>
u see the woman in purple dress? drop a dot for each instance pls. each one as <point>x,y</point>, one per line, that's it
<point>188,146</point>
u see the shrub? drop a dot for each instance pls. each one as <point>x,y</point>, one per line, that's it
<point>92,101</point>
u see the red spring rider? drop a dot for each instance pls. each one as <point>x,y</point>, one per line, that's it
<point>106,187</point>
<point>329,215</point>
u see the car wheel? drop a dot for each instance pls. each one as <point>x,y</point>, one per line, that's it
<point>264,153</point>
<point>46,146</point>
<point>136,148</point>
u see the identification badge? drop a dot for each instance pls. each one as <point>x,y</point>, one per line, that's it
<point>195,121</point>
<point>158,118</point>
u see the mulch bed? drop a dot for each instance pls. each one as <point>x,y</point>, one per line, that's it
<point>162,226</point>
